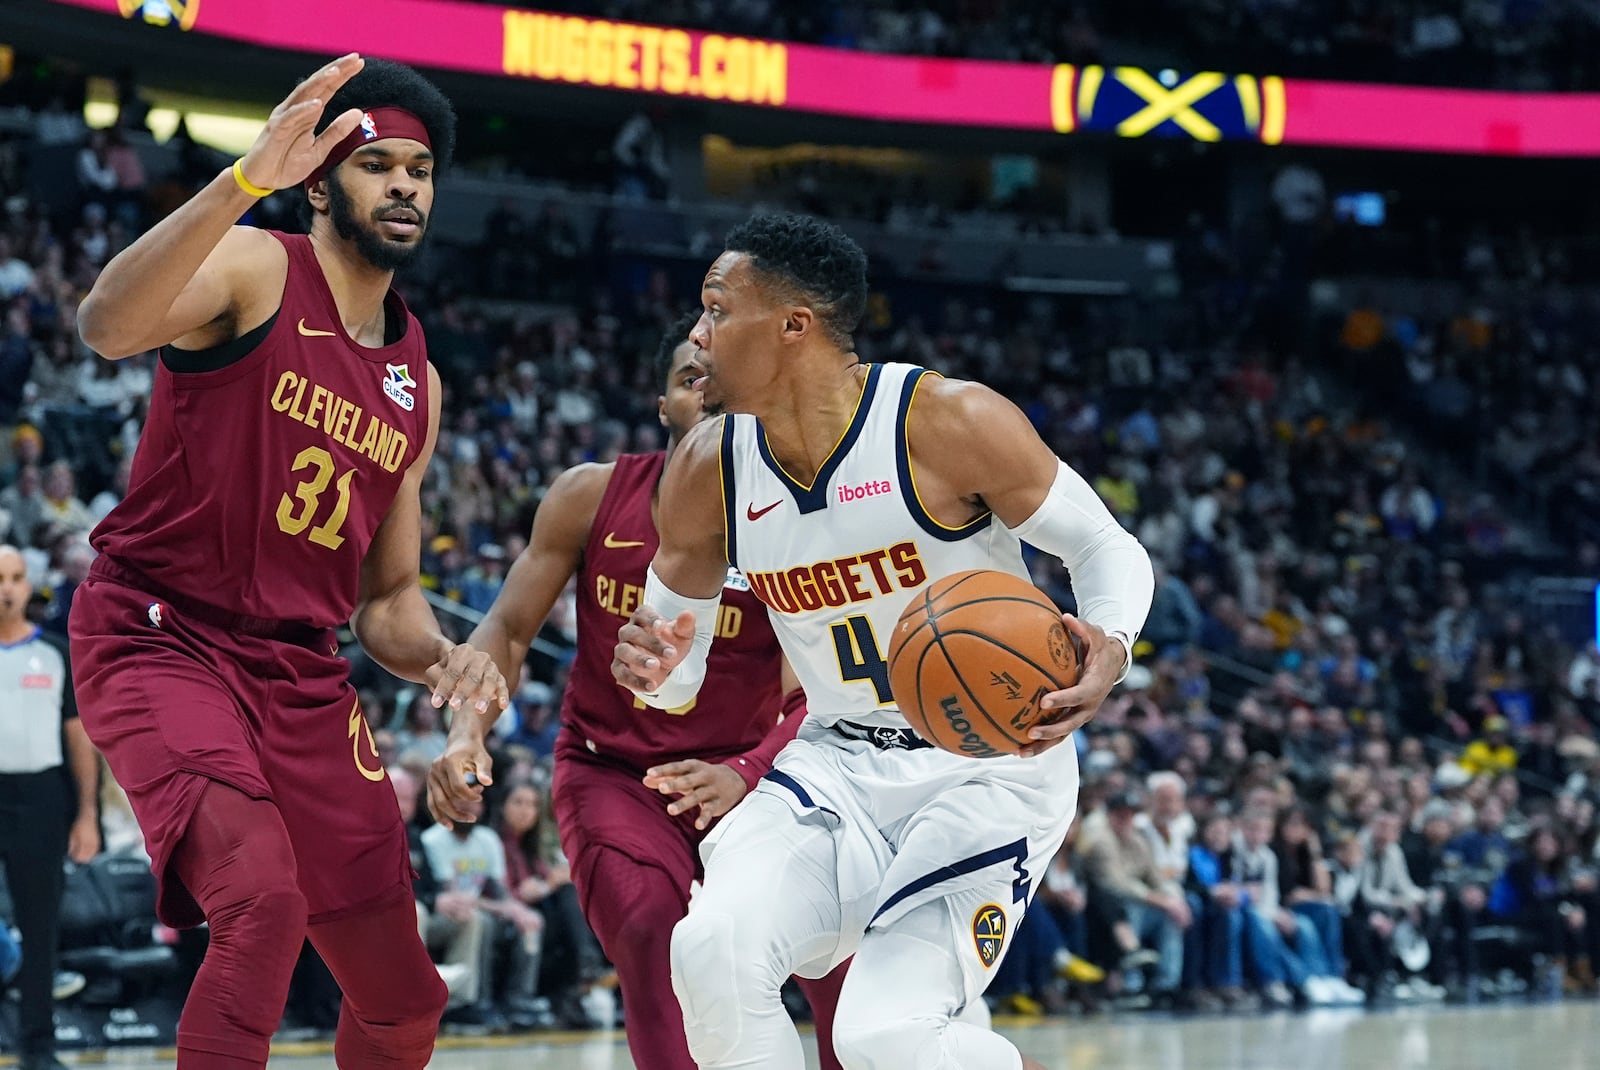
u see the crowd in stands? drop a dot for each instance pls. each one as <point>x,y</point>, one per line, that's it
<point>1346,768</point>
<point>1512,44</point>
<point>1516,363</point>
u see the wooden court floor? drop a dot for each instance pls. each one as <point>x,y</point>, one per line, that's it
<point>1561,1036</point>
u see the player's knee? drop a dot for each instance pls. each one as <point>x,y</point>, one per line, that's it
<point>417,1000</point>
<point>267,920</point>
<point>720,979</point>
<point>864,1039</point>
<point>403,1039</point>
<point>641,924</point>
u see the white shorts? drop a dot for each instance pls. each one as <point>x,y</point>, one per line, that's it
<point>913,826</point>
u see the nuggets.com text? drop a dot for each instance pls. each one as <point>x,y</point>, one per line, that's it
<point>622,55</point>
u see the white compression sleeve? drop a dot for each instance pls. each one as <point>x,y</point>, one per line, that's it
<point>1110,571</point>
<point>683,683</point>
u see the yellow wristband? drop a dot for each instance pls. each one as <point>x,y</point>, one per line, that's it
<point>244,183</point>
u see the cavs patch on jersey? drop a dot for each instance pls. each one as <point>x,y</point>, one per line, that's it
<point>989,933</point>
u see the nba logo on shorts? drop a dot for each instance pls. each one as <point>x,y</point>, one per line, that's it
<point>155,613</point>
<point>989,934</point>
<point>369,127</point>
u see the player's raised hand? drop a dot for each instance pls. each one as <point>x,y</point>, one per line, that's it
<point>1103,659</point>
<point>713,787</point>
<point>466,677</point>
<point>288,149</point>
<point>649,647</point>
<point>458,776</point>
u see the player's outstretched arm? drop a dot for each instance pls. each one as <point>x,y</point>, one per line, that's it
<point>970,443</point>
<point>661,651</point>
<point>194,277</point>
<point>537,578</point>
<point>394,621</point>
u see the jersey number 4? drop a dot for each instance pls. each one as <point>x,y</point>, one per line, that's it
<point>860,657</point>
<point>292,521</point>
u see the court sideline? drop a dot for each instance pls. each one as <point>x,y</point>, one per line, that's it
<point>1561,1036</point>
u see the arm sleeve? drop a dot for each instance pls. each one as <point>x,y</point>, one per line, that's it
<point>1111,574</point>
<point>756,762</point>
<point>683,683</point>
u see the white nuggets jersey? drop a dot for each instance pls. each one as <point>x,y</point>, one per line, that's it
<point>838,560</point>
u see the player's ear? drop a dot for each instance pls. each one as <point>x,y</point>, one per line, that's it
<point>317,194</point>
<point>661,410</point>
<point>798,324</point>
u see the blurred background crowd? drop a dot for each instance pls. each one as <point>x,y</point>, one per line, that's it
<point>1358,760</point>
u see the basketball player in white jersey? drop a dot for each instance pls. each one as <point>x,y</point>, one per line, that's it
<point>839,489</point>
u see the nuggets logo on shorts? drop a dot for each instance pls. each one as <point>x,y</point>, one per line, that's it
<point>989,934</point>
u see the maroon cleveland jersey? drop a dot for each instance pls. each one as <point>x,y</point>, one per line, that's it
<point>258,484</point>
<point>738,704</point>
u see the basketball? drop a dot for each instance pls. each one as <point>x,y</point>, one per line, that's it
<point>972,656</point>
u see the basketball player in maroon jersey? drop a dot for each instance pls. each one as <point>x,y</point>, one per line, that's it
<point>633,853</point>
<point>274,496</point>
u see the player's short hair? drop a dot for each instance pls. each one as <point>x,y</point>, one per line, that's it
<point>382,83</point>
<point>673,337</point>
<point>807,261</point>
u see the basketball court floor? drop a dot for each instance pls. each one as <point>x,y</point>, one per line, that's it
<point>1563,1036</point>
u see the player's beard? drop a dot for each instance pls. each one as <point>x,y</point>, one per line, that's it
<point>375,249</point>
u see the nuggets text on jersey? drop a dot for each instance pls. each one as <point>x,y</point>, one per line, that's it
<point>841,581</point>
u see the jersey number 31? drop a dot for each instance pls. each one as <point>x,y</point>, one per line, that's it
<point>292,521</point>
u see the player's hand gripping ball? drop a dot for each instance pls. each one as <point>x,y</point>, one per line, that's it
<point>981,659</point>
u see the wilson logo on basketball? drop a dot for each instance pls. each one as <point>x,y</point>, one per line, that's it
<point>971,743</point>
<point>872,488</point>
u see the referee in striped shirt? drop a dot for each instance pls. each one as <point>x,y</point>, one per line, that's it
<point>37,715</point>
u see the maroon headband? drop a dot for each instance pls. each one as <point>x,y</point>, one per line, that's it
<point>375,125</point>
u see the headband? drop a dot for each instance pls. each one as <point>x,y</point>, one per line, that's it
<point>375,125</point>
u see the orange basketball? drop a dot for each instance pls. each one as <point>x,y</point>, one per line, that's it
<point>972,656</point>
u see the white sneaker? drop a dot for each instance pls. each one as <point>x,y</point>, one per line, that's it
<point>68,984</point>
<point>1319,993</point>
<point>1348,993</point>
<point>1426,990</point>
<point>1277,995</point>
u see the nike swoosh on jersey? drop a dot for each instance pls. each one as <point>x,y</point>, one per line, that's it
<point>751,512</point>
<point>612,543</point>
<point>312,332</point>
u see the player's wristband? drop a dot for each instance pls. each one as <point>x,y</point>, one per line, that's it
<point>245,184</point>
<point>683,683</point>
<point>1127,645</point>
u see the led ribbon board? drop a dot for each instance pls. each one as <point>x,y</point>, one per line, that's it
<point>1123,101</point>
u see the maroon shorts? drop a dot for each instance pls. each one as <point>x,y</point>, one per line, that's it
<point>178,695</point>
<point>601,806</point>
